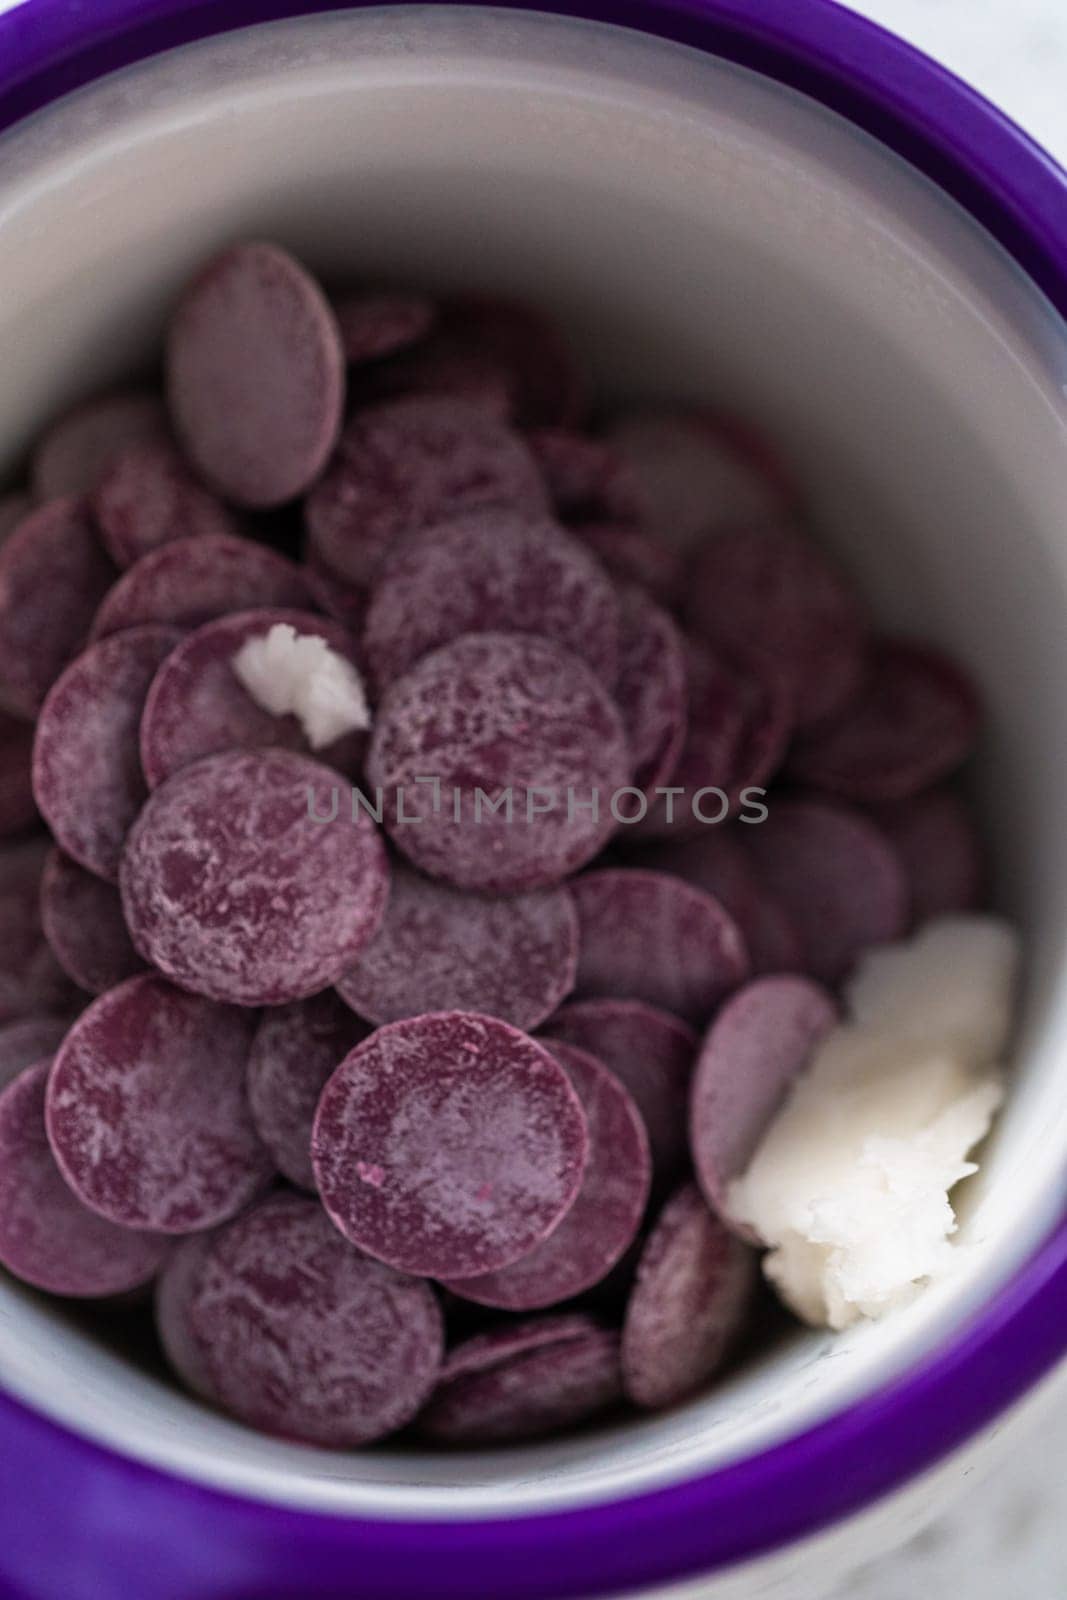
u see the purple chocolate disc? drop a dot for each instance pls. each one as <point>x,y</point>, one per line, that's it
<point>18,809</point>
<point>192,582</point>
<point>700,474</point>
<point>82,919</point>
<point>148,498</point>
<point>53,575</point>
<point>652,1053</point>
<point>542,1390</point>
<point>76,451</point>
<point>198,706</point>
<point>491,571</point>
<point>917,720</point>
<point>245,879</point>
<point>28,1040</point>
<point>634,555</point>
<point>47,1237</point>
<point>147,1112</point>
<point>86,763</point>
<point>522,741</point>
<point>296,1050</point>
<point>760,1040</point>
<point>449,1144</point>
<point>175,1288</point>
<point>303,1337</point>
<point>772,593</point>
<point>440,949</point>
<point>837,877</point>
<point>936,836</point>
<point>603,1221</point>
<point>694,1284</point>
<point>716,861</point>
<point>377,325</point>
<point>652,689</point>
<point>255,375</point>
<point>406,465</point>
<point>649,936</point>
<point>31,979</point>
<point>585,478</point>
<point>481,1352</point>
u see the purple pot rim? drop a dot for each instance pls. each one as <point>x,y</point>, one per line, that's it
<point>219,1545</point>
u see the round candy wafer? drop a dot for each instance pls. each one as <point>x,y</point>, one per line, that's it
<point>82,919</point>
<point>405,465</point>
<point>47,1237</point>
<point>302,1336</point>
<point>27,1041</point>
<point>31,979</point>
<point>761,1039</point>
<point>649,936</point>
<point>916,721</point>
<point>295,1052</point>
<point>147,1112</point>
<point>694,1284</point>
<point>651,690</point>
<point>491,571</point>
<point>255,375</point>
<point>603,1221</point>
<point>191,582</point>
<point>377,325</point>
<point>440,949</point>
<point>523,743</point>
<point>449,1144</point>
<point>53,575</point>
<point>18,809</point>
<point>935,834</point>
<point>174,1291</point>
<point>245,879</point>
<point>148,498</point>
<point>87,773</point>
<point>74,453</point>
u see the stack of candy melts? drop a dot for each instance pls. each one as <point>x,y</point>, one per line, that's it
<point>394,1114</point>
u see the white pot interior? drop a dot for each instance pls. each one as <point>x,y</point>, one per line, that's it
<point>701,232</point>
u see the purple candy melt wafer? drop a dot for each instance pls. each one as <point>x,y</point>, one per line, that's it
<point>504,723</point>
<point>770,592</point>
<point>194,581</point>
<point>585,478</point>
<point>491,571</point>
<point>147,1112</point>
<point>439,369</point>
<point>936,836</point>
<point>296,1050</point>
<point>47,1237</point>
<point>26,1041</point>
<point>837,877</point>
<point>377,325</point>
<point>440,949</point>
<point>255,375</point>
<point>603,1221</point>
<point>197,705</point>
<point>652,1053</point>
<point>53,575</point>
<point>700,473</point>
<point>694,1284</point>
<point>86,763</point>
<point>304,1337</point>
<point>408,464</point>
<point>760,1040</point>
<point>916,720</point>
<point>82,919</point>
<point>31,979</point>
<point>148,498</point>
<point>345,602</point>
<point>544,1389</point>
<point>547,387</point>
<point>715,860</point>
<point>449,1144</point>
<point>480,1352</point>
<point>649,936</point>
<point>75,452</point>
<point>651,690</point>
<point>18,809</point>
<point>14,507</point>
<point>175,1288</point>
<point>633,555</point>
<point>237,884</point>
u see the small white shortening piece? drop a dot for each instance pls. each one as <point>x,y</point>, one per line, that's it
<point>289,672</point>
<point>850,1186</point>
